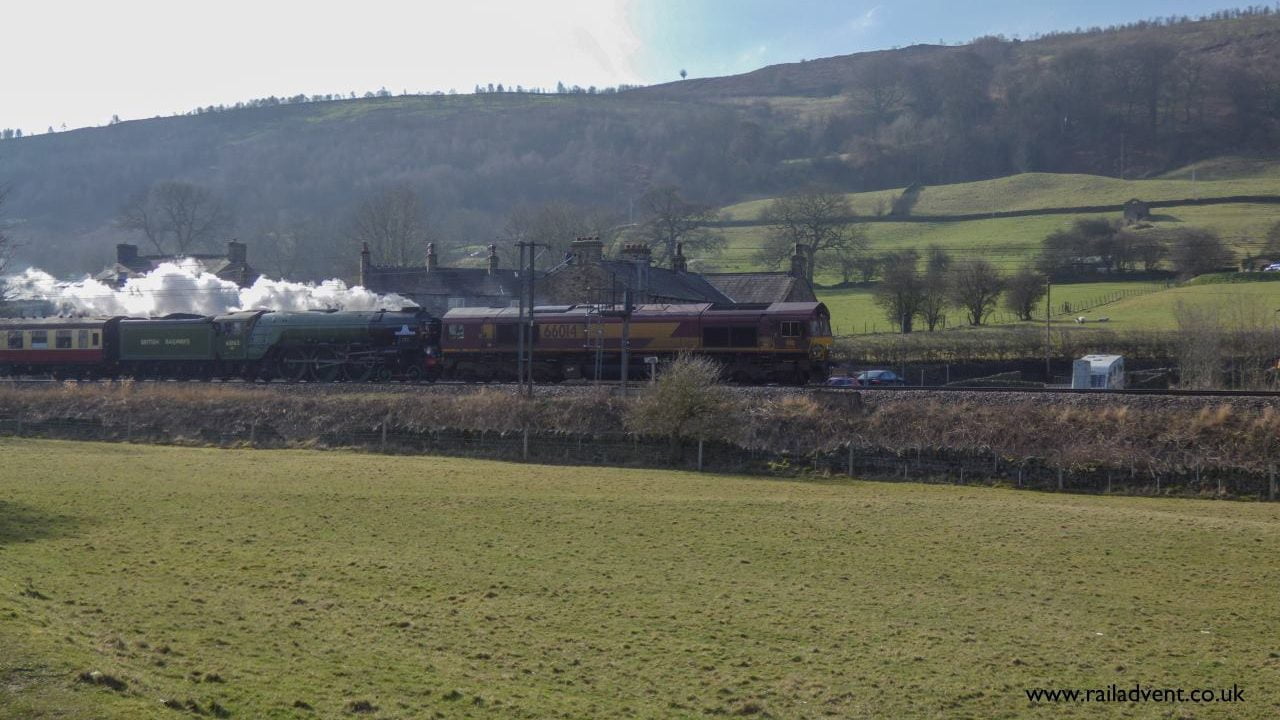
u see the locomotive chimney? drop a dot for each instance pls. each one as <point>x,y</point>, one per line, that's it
<point>431,256</point>
<point>493,259</point>
<point>678,262</point>
<point>800,262</point>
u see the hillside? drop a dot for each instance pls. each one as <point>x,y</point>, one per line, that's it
<point>1131,102</point>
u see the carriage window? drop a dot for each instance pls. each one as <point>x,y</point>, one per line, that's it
<point>39,339</point>
<point>742,337</point>
<point>715,336</point>
<point>82,339</point>
<point>819,328</point>
<point>791,328</point>
<point>97,339</point>
<point>457,331</point>
<point>15,339</point>
<point>62,339</point>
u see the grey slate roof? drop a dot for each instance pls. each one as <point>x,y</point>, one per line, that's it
<point>754,287</point>
<point>667,283</point>
<point>445,281</point>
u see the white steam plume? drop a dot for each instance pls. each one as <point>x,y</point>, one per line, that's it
<point>183,287</point>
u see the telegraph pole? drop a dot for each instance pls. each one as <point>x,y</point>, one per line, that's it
<point>520,246</point>
<point>526,333</point>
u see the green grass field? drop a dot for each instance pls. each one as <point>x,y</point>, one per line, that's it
<point>300,584</point>
<point>854,311</point>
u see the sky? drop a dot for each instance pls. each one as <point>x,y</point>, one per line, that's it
<point>79,62</point>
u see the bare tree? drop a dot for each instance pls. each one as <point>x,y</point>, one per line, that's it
<point>816,219</point>
<point>1195,252</point>
<point>554,226</point>
<point>7,245</point>
<point>670,220</point>
<point>975,287</point>
<point>1023,290</point>
<point>901,289</point>
<point>936,289</point>
<point>848,258</point>
<point>395,225</point>
<point>880,88</point>
<point>192,214</point>
<point>176,216</point>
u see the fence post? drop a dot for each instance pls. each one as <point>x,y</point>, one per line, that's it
<point>253,433</point>
<point>1108,482</point>
<point>1019,476</point>
<point>849,470</point>
<point>524,443</point>
<point>962,474</point>
<point>128,429</point>
<point>385,421</point>
<point>1271,486</point>
<point>1059,477</point>
<point>699,454</point>
<point>19,424</point>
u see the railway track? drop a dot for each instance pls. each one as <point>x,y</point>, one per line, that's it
<point>347,386</point>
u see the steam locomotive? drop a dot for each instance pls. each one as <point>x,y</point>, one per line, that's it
<point>780,342</point>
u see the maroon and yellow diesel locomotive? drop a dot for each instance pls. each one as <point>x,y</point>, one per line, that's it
<point>778,342</point>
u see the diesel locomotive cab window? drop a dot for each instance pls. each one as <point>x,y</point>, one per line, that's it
<point>791,328</point>
<point>39,340</point>
<point>15,340</point>
<point>715,336</point>
<point>457,331</point>
<point>742,337</point>
<point>507,334</point>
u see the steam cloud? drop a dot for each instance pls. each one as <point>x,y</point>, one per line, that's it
<point>182,287</point>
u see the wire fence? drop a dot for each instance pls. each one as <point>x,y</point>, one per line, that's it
<point>927,465</point>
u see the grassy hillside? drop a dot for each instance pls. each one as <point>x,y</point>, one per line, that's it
<point>946,114</point>
<point>289,584</point>
<point>1222,177</point>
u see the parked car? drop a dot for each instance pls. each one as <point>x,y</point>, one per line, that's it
<point>873,378</point>
<point>842,381</point>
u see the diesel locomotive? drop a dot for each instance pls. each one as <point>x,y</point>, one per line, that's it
<point>779,342</point>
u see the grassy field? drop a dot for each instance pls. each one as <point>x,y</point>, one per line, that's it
<point>854,311</point>
<point>1012,242</point>
<point>283,584</point>
<point>1029,191</point>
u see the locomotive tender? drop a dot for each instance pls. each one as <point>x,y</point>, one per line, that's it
<point>780,342</point>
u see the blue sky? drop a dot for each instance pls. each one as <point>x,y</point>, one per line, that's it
<point>711,37</point>
<point>76,63</point>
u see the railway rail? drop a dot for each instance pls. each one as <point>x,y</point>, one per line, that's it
<point>908,389</point>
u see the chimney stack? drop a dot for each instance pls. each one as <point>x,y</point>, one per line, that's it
<point>237,252</point>
<point>637,253</point>
<point>586,250</point>
<point>800,262</point>
<point>126,254</point>
<point>493,259</point>
<point>678,262</point>
<point>431,256</point>
<point>364,264</point>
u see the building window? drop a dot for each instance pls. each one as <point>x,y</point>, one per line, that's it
<point>62,339</point>
<point>39,339</point>
<point>457,331</point>
<point>15,339</point>
<point>792,328</point>
<point>457,302</point>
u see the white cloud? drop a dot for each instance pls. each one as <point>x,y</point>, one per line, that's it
<point>866,20</point>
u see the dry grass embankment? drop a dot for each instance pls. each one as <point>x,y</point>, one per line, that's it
<point>1145,437</point>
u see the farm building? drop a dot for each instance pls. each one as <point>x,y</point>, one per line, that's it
<point>1098,372</point>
